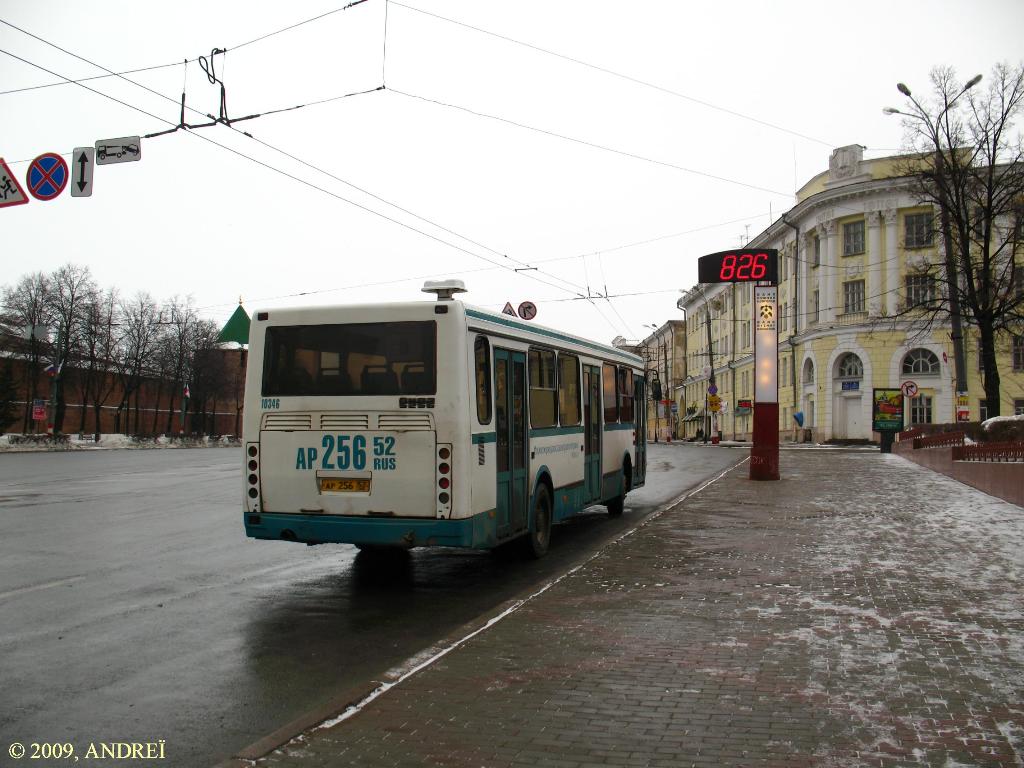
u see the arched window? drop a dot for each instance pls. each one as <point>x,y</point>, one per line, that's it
<point>808,371</point>
<point>850,367</point>
<point>921,361</point>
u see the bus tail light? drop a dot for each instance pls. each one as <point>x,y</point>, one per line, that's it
<point>252,480</point>
<point>443,468</point>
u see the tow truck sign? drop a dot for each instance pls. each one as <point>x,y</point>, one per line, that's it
<point>123,150</point>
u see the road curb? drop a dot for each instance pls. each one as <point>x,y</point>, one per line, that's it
<point>289,731</point>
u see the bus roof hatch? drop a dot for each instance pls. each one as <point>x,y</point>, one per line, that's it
<point>445,289</point>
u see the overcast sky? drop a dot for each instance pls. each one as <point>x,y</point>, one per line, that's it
<point>740,104</point>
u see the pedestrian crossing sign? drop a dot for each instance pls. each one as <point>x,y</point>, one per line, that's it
<point>11,192</point>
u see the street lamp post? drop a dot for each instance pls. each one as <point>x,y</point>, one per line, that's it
<point>710,422</point>
<point>952,279</point>
<point>656,392</point>
<point>656,396</point>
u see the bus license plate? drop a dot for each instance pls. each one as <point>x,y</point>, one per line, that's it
<point>344,484</point>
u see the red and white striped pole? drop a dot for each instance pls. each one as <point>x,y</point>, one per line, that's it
<point>764,453</point>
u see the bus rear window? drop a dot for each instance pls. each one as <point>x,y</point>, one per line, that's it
<point>359,359</point>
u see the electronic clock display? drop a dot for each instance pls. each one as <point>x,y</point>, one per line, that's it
<point>743,265</point>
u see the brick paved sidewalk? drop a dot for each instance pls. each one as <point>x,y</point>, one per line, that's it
<point>861,611</point>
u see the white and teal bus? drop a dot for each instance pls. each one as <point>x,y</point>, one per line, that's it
<point>433,423</point>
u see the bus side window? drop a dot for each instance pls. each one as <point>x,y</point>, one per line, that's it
<point>543,395</point>
<point>482,353</point>
<point>638,397</point>
<point>625,394</point>
<point>611,399</point>
<point>569,390</point>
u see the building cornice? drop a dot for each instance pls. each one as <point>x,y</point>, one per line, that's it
<point>822,200</point>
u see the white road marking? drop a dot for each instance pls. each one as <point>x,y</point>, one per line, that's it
<point>47,585</point>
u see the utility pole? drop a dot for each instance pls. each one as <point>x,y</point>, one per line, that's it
<point>712,420</point>
<point>709,421</point>
<point>956,324</point>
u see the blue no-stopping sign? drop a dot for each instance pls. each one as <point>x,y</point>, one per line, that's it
<point>47,176</point>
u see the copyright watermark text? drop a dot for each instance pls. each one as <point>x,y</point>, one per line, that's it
<point>95,750</point>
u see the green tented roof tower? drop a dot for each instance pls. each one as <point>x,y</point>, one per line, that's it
<point>237,328</point>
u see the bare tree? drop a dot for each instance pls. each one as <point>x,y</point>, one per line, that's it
<point>27,309</point>
<point>209,377</point>
<point>71,288</point>
<point>8,395</point>
<point>236,388</point>
<point>100,331</point>
<point>967,162</point>
<point>139,326</point>
<point>179,344</point>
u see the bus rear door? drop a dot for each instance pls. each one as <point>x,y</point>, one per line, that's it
<point>592,415</point>
<point>640,433</point>
<point>510,422</point>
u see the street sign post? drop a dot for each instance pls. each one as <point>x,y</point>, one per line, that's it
<point>963,408</point>
<point>83,161</point>
<point>123,150</point>
<point>764,453</point>
<point>11,192</point>
<point>47,176</point>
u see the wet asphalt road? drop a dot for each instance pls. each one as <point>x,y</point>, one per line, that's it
<point>133,608</point>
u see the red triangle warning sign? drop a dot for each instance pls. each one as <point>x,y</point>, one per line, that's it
<point>508,309</point>
<point>11,192</point>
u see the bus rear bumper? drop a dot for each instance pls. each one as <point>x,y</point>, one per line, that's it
<point>477,532</point>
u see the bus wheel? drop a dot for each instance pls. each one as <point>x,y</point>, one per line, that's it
<point>618,504</point>
<point>540,534</point>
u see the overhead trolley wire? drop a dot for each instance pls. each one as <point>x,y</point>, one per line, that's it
<point>293,177</point>
<point>613,73</point>
<point>206,68</point>
<point>650,240</point>
<point>604,317</point>
<point>92,77</point>
<point>522,264</point>
<point>75,81</point>
<point>299,24</point>
<point>591,144</point>
<point>384,54</point>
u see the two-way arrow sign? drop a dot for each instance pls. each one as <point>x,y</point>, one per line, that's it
<point>83,161</point>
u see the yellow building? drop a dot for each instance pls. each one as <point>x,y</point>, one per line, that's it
<point>664,355</point>
<point>852,251</point>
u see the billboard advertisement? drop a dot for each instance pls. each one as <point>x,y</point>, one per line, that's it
<point>887,410</point>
